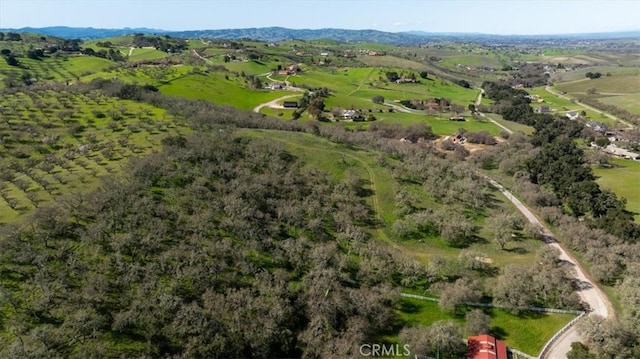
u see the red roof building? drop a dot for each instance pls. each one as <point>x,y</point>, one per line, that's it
<point>486,347</point>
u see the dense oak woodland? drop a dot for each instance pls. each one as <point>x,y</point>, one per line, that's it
<point>216,247</point>
<point>223,246</point>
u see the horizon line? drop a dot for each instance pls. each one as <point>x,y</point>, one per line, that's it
<point>410,32</point>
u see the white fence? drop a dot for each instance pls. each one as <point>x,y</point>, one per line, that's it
<point>491,305</point>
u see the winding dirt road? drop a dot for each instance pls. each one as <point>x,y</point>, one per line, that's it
<point>201,57</point>
<point>589,293</point>
<point>478,102</point>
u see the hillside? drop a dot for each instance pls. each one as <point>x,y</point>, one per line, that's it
<point>297,198</point>
<point>270,34</point>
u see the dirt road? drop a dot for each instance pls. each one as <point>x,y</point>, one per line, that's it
<point>202,58</point>
<point>478,103</point>
<point>274,103</point>
<point>592,295</point>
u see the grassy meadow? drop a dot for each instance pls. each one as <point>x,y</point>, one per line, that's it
<point>624,180</point>
<point>528,332</point>
<point>619,89</point>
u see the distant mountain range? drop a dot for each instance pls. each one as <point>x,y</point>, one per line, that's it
<point>342,35</point>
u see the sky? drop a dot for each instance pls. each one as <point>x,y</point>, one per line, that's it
<point>503,17</point>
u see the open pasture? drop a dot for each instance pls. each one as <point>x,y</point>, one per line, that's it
<point>615,84</point>
<point>215,88</point>
<point>138,54</point>
<point>580,73</point>
<point>629,102</point>
<point>623,180</point>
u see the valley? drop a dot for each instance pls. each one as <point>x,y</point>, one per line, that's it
<point>287,194</point>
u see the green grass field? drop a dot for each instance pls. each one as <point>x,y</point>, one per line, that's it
<point>215,88</point>
<point>616,84</point>
<point>630,102</point>
<point>579,74</point>
<point>527,333</point>
<point>440,125</point>
<point>624,180</point>
<point>621,90</point>
<point>146,54</point>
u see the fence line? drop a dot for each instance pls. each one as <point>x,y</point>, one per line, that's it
<point>491,305</point>
<point>520,354</point>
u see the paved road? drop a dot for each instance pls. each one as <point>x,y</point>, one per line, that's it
<point>590,294</point>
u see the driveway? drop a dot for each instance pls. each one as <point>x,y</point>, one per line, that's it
<point>590,293</point>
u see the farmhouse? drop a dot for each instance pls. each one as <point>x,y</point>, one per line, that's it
<point>289,70</point>
<point>486,347</point>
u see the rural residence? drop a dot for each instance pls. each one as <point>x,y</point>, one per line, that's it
<point>486,347</point>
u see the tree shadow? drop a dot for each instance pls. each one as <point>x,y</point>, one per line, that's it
<point>517,250</point>
<point>490,200</point>
<point>408,307</point>
<point>498,332</point>
<point>582,285</point>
